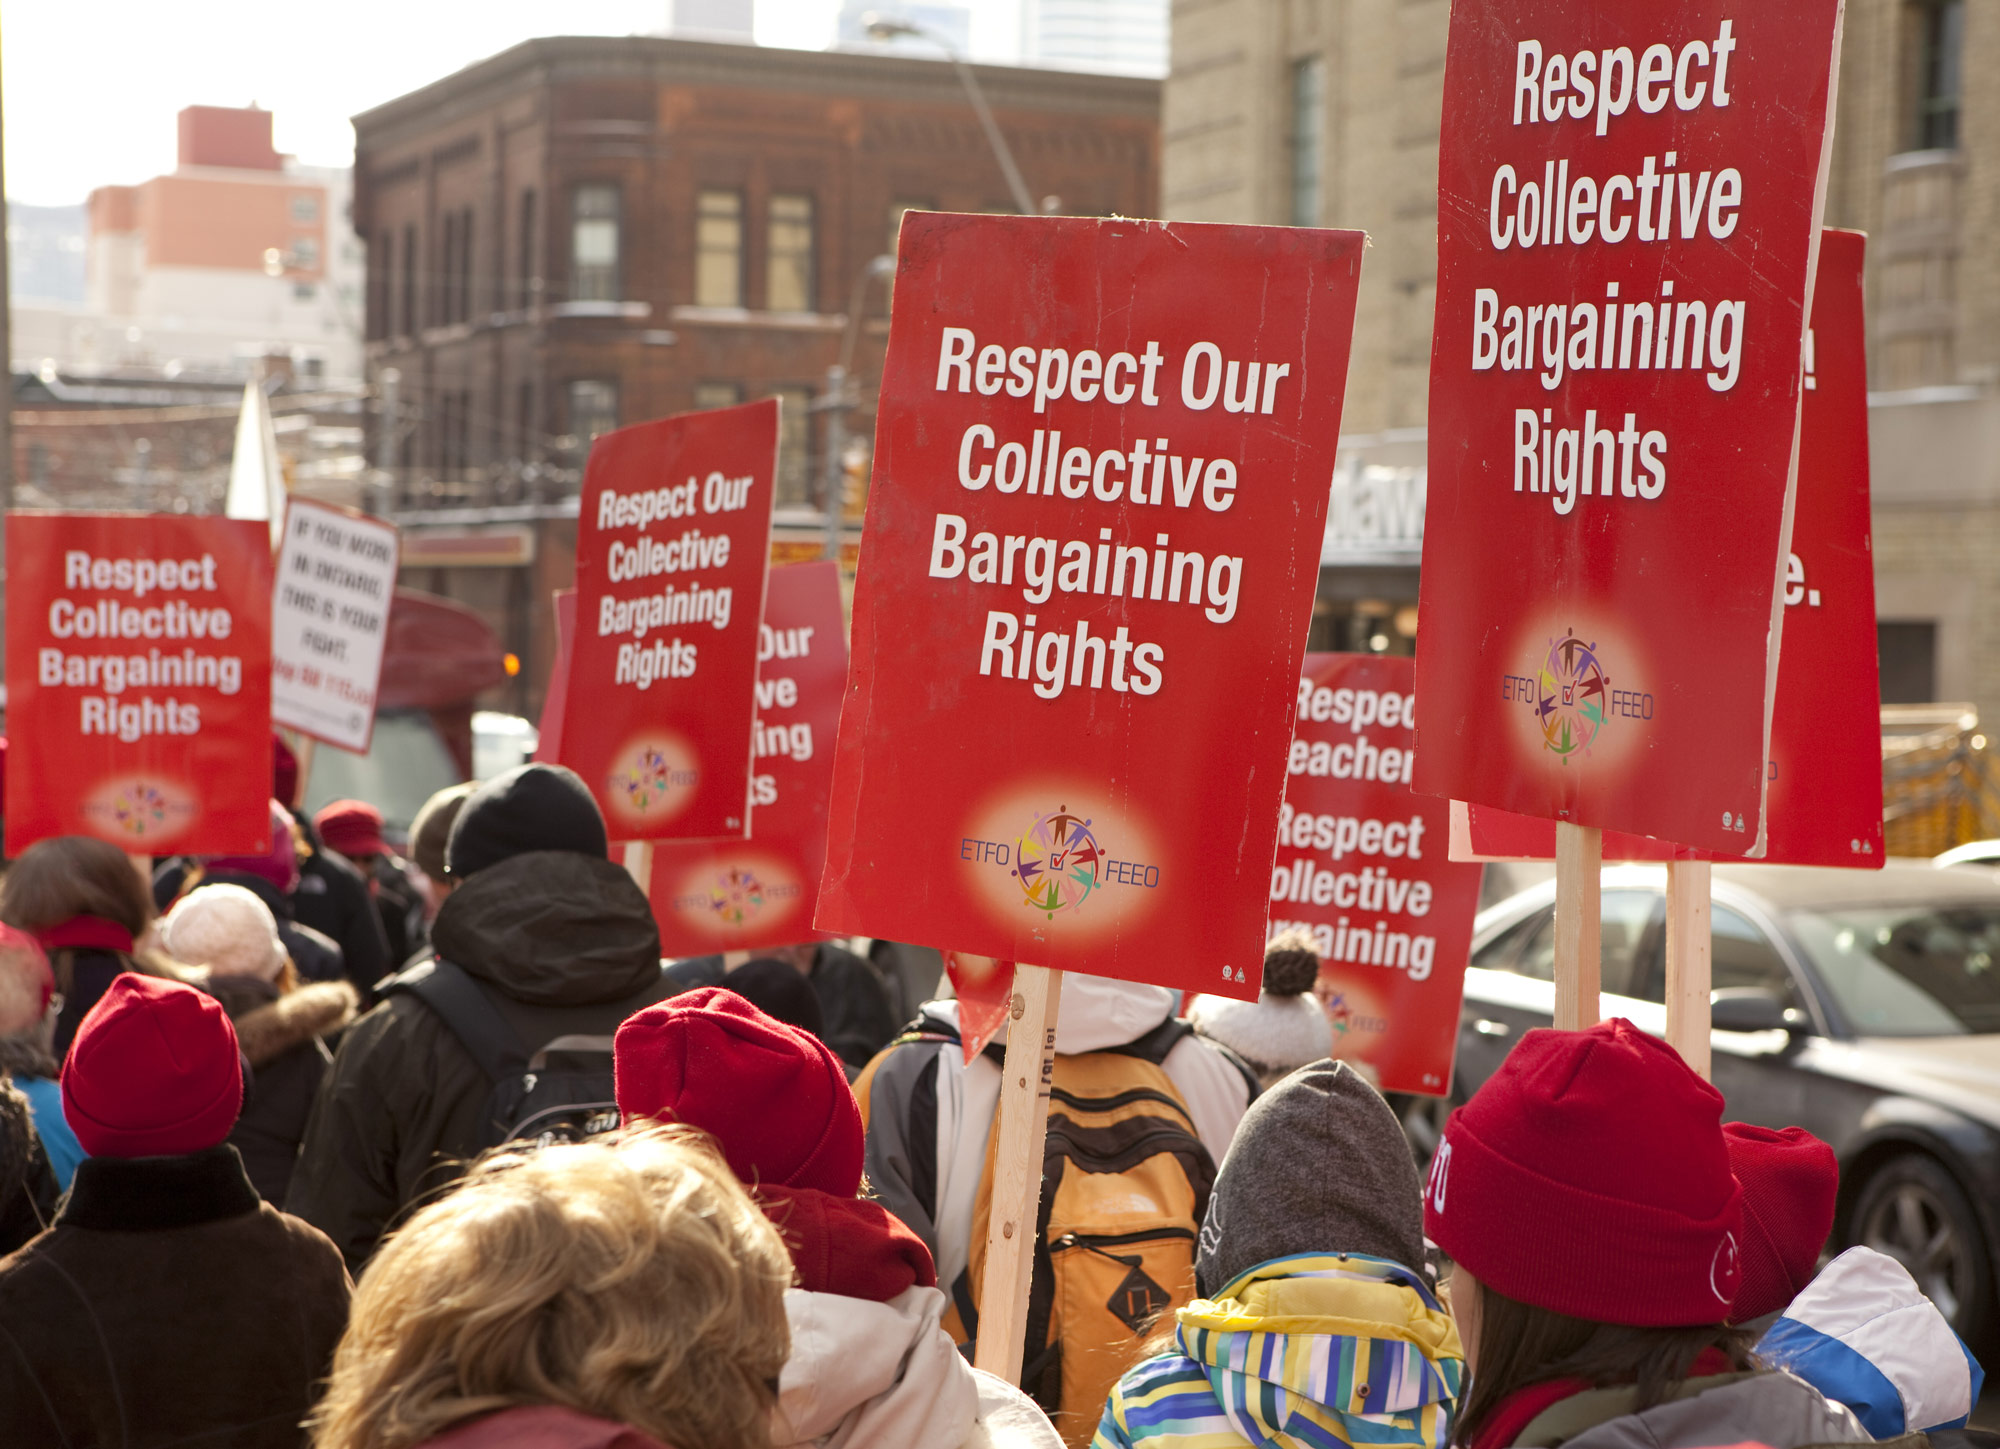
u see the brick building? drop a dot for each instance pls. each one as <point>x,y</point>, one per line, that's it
<point>581,233</point>
<point>1325,112</point>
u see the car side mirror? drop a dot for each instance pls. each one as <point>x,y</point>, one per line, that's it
<point>1749,1008</point>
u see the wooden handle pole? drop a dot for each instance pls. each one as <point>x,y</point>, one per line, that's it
<point>639,863</point>
<point>1023,1125</point>
<point>307,748</point>
<point>1579,858</point>
<point>1689,962</point>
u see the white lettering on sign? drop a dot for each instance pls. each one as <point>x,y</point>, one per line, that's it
<point>1374,509</point>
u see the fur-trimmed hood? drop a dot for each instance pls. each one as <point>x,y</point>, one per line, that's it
<point>270,1022</point>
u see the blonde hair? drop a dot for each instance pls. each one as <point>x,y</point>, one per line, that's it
<point>633,1280</point>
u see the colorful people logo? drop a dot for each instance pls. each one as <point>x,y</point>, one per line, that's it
<point>1573,690</point>
<point>139,809</point>
<point>645,782</point>
<point>736,895</point>
<point>1339,1013</point>
<point>1057,862</point>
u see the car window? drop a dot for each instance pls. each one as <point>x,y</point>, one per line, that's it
<point>1628,941</point>
<point>1908,970</point>
<point>1741,955</point>
<point>1498,954</point>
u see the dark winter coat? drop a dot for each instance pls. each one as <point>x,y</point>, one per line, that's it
<point>27,1183</point>
<point>551,932</point>
<point>332,897</point>
<point>167,1306</point>
<point>282,1036</point>
<point>857,1017</point>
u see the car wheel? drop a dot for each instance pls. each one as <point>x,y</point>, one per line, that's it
<point>1915,1212</point>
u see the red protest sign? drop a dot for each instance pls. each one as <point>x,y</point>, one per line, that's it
<point>138,681</point>
<point>1363,868</point>
<point>1629,203</point>
<point>1825,771</point>
<point>728,895</point>
<point>1100,486</point>
<point>672,542</point>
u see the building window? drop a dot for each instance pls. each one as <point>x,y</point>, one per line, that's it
<point>718,249</point>
<point>788,262</point>
<point>1308,130</point>
<point>794,447</point>
<point>593,253</point>
<point>593,409</point>
<point>409,280</point>
<point>1940,52</point>
<point>305,209</point>
<point>465,265</point>
<point>1907,650</point>
<point>525,267</point>
<point>305,253</point>
<point>716,395</point>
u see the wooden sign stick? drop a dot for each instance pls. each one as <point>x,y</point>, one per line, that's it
<point>1689,961</point>
<point>1579,858</point>
<point>639,863</point>
<point>1023,1125</point>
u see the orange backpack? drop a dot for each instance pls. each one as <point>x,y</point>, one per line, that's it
<point>1125,1183</point>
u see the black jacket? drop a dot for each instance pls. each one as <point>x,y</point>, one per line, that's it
<point>27,1183</point>
<point>167,1306</point>
<point>332,897</point>
<point>282,1036</point>
<point>402,1107</point>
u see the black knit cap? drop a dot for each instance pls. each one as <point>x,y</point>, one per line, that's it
<point>531,807</point>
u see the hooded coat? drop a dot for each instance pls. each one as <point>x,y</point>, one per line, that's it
<point>868,1375</point>
<point>1864,1335</point>
<point>1299,1353</point>
<point>557,936</point>
<point>1756,1406</point>
<point>167,1306</point>
<point>282,1036</point>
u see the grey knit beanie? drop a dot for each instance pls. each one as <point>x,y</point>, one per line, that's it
<point>1319,1165</point>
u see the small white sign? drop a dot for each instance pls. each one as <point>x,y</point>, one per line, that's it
<point>336,579</point>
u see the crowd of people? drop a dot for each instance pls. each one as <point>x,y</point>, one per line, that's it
<point>332,1147</point>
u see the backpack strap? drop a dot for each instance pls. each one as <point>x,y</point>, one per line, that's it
<point>463,1005</point>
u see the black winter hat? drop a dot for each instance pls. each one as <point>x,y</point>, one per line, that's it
<point>778,989</point>
<point>1318,1165</point>
<point>531,807</point>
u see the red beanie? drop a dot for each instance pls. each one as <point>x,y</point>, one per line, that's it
<point>352,827</point>
<point>1789,1179</point>
<point>1589,1177</point>
<point>154,1071</point>
<point>284,772</point>
<point>775,1100</point>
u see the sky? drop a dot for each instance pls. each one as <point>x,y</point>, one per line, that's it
<point>92,86</point>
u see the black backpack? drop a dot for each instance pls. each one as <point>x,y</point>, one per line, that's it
<point>558,1091</point>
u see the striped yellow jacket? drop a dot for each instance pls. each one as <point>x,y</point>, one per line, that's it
<point>1316,1351</point>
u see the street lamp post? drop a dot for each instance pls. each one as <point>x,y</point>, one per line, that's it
<point>838,400</point>
<point>892,27</point>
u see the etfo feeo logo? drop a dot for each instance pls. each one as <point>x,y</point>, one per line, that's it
<point>1058,861</point>
<point>736,895</point>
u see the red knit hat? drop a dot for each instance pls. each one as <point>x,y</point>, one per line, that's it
<point>1789,1179</point>
<point>352,827</point>
<point>775,1100</point>
<point>1588,1176</point>
<point>154,1071</point>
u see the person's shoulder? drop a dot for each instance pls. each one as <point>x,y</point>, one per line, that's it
<point>310,1251</point>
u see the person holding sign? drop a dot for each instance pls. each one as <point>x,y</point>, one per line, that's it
<point>1586,1198</point>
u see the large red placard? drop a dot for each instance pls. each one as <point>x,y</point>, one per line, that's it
<point>138,681</point>
<point>728,895</point>
<point>1825,772</point>
<point>1100,485</point>
<point>1629,203</point>
<point>1363,866</point>
<point>672,544</point>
